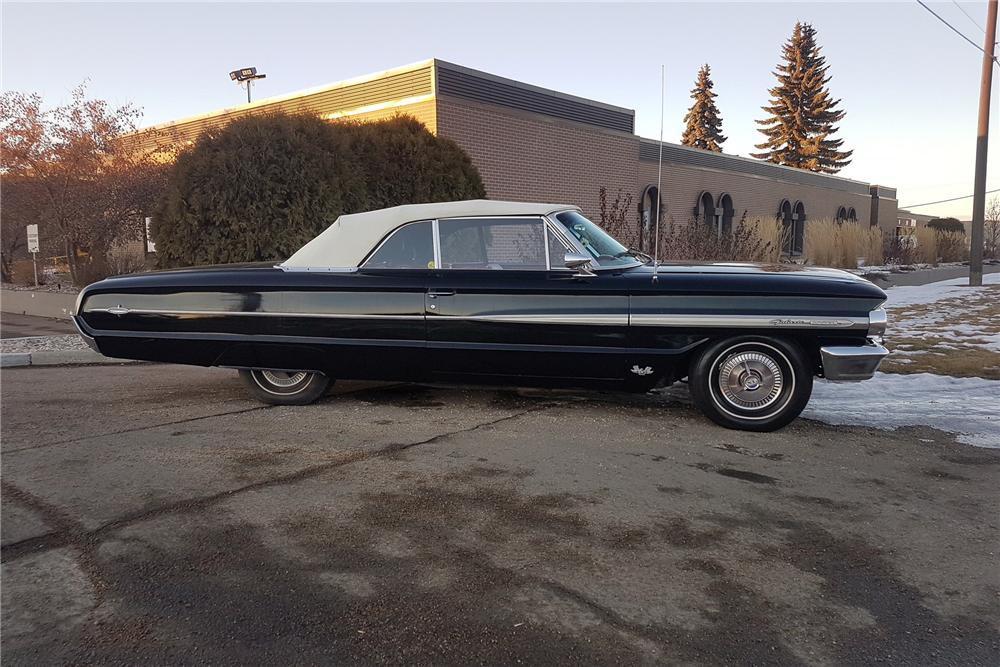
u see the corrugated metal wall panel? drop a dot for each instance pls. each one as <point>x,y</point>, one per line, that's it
<point>339,99</point>
<point>672,153</point>
<point>482,89</point>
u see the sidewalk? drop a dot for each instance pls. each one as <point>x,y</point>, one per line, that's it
<point>926,276</point>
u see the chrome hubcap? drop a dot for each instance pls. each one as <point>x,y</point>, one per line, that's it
<point>283,379</point>
<point>750,380</point>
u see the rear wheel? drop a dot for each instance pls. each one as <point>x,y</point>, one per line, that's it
<point>751,383</point>
<point>285,387</point>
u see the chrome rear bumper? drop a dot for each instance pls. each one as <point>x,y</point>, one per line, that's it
<point>852,363</point>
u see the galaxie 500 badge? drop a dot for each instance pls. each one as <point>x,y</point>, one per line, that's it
<point>785,322</point>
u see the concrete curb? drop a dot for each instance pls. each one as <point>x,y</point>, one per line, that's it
<point>59,358</point>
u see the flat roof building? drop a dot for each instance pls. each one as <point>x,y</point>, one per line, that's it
<point>535,144</point>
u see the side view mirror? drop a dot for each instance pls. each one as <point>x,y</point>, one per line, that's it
<point>579,263</point>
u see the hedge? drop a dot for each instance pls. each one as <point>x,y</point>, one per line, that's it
<point>260,187</point>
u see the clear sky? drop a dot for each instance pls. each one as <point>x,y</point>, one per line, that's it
<point>909,85</point>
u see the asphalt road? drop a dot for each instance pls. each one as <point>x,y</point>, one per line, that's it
<point>153,514</point>
<point>13,325</point>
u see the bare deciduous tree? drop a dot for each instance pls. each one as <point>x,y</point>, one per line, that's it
<point>615,217</point>
<point>80,171</point>
<point>991,235</point>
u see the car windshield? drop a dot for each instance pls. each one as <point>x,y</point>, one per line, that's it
<point>605,249</point>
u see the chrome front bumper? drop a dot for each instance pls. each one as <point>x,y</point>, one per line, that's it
<point>852,363</point>
<point>89,340</point>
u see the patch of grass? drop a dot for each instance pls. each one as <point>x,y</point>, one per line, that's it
<point>946,337</point>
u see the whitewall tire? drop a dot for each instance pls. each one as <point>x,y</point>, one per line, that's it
<point>285,387</point>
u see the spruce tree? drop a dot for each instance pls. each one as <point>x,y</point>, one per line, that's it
<point>703,123</point>
<point>802,114</point>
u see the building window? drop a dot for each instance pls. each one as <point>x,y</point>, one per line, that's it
<point>650,210</point>
<point>726,215</point>
<point>852,215</point>
<point>705,211</point>
<point>841,215</point>
<point>799,230</point>
<point>787,226</point>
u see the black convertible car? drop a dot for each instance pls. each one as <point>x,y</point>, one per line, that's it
<point>500,293</point>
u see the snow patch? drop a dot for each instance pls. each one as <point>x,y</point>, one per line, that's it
<point>964,406</point>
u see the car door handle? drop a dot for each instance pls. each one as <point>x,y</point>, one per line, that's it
<point>433,294</point>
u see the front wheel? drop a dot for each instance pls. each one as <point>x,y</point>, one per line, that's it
<point>751,383</point>
<point>285,387</point>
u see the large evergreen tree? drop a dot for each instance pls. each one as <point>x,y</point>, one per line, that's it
<point>703,123</point>
<point>802,115</point>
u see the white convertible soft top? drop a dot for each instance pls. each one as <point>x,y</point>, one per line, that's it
<point>348,241</point>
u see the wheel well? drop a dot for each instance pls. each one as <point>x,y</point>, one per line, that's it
<point>809,344</point>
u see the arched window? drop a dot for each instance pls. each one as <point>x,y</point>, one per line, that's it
<point>726,215</point>
<point>852,215</point>
<point>799,233</point>
<point>648,203</point>
<point>841,215</point>
<point>787,225</point>
<point>705,211</point>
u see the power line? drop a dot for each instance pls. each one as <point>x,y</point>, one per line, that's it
<point>968,16</point>
<point>942,201</point>
<point>954,29</point>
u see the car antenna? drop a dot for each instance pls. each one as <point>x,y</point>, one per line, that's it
<point>659,180</point>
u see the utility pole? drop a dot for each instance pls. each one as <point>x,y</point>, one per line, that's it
<point>982,138</point>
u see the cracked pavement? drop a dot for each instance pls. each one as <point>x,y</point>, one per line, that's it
<point>154,514</point>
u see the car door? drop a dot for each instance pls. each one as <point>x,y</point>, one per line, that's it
<point>501,307</point>
<point>371,321</point>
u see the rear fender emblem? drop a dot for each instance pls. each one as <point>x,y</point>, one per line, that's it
<point>118,310</point>
<point>783,322</point>
<point>648,370</point>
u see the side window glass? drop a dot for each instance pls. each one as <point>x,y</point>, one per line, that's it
<point>409,247</point>
<point>493,244</point>
<point>557,251</point>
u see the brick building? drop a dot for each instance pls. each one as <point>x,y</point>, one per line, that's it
<point>535,144</point>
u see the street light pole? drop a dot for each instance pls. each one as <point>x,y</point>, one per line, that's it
<point>982,139</point>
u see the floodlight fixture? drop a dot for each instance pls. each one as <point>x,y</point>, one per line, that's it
<point>246,75</point>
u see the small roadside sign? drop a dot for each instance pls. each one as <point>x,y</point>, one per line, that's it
<point>32,238</point>
<point>33,249</point>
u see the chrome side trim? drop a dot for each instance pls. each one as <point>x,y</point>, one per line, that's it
<point>852,363</point>
<point>620,320</point>
<point>256,313</point>
<point>748,321</point>
<point>316,269</point>
<point>436,239</point>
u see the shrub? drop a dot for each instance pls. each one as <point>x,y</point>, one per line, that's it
<point>260,187</point>
<point>952,247</point>
<point>926,245</point>
<point>615,217</point>
<point>696,241</point>
<point>947,225</point>
<point>841,245</point>
<point>401,162</point>
<point>773,234</point>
